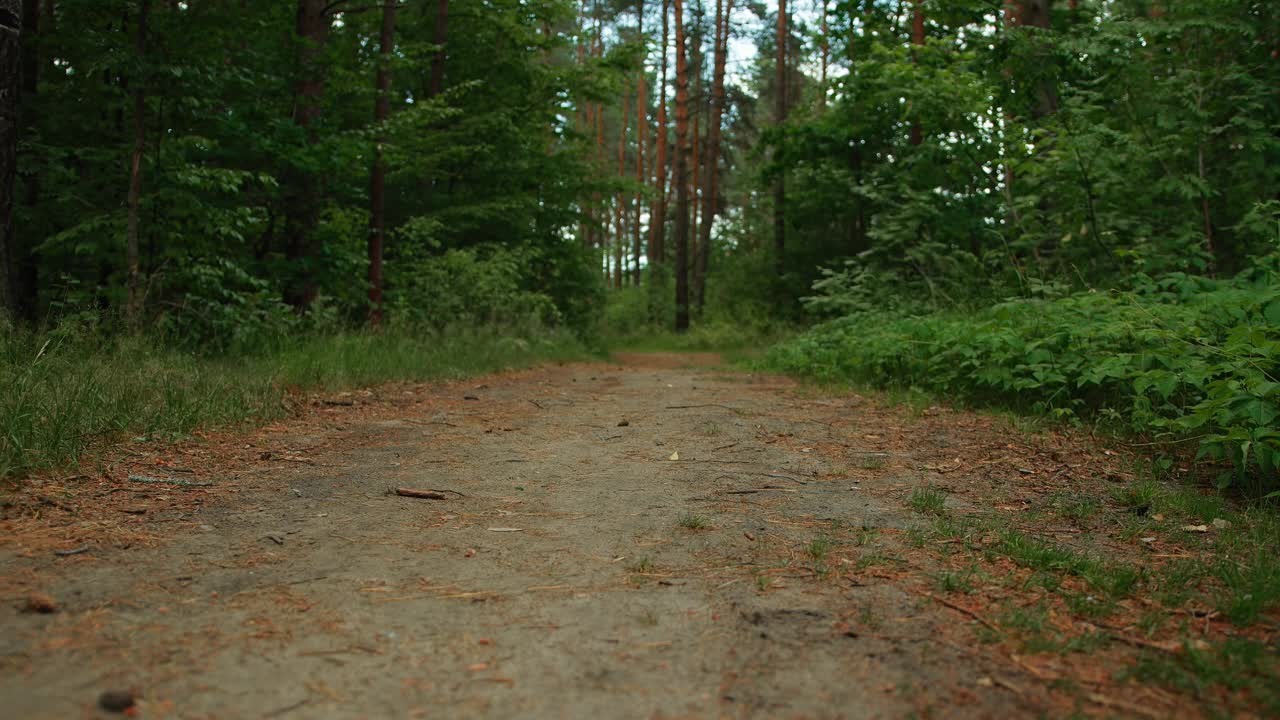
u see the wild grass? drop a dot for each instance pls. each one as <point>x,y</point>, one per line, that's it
<point>928,501</point>
<point>694,521</point>
<point>77,389</point>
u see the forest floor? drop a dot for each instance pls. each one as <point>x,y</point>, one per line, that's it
<point>659,537</point>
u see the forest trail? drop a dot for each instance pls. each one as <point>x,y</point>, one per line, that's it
<point>660,537</point>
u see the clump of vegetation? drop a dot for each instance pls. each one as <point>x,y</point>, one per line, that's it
<point>928,501</point>
<point>694,521</point>
<point>81,387</point>
<point>1179,358</point>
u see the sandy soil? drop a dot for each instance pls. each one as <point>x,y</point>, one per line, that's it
<point>630,540</point>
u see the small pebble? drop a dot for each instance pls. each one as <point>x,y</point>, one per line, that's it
<point>38,602</point>
<point>116,701</point>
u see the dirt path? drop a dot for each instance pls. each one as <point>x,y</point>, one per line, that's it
<point>660,538</point>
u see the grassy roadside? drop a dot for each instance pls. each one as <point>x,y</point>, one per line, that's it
<point>74,390</point>
<point>1181,579</point>
<point>1197,601</point>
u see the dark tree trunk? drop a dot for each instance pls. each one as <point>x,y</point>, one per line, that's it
<point>25,275</point>
<point>10,84</point>
<point>134,307</point>
<point>378,178</point>
<point>681,179</point>
<point>302,197</point>
<point>439,38</point>
<point>711,190</point>
<point>917,39</point>
<point>780,117</point>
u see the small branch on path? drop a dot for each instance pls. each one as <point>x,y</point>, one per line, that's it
<point>287,708</point>
<point>687,407</point>
<point>962,609</point>
<point>76,551</point>
<point>168,481</point>
<point>428,422</point>
<point>427,494</point>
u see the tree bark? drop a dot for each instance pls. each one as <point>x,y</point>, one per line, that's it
<point>681,178</point>
<point>439,37</point>
<point>917,39</point>
<point>711,190</point>
<point>780,117</point>
<point>620,239</point>
<point>134,307</point>
<point>642,126</point>
<point>302,199</point>
<point>378,178</point>
<point>10,84</point>
<point>826,56</point>
<point>658,216</point>
<point>25,275</point>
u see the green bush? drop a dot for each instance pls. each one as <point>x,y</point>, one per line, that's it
<point>1182,357</point>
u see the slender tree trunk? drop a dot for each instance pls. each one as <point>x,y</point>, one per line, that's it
<point>620,241</point>
<point>378,178</point>
<point>711,190</point>
<point>642,126</point>
<point>917,39</point>
<point>695,165</point>
<point>134,307</point>
<point>681,179</point>
<point>826,56</point>
<point>658,219</point>
<point>439,37</point>
<point>780,117</point>
<point>10,84</point>
<point>302,199</point>
<point>602,226</point>
<point>583,117</point>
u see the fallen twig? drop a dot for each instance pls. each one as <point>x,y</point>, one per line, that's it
<point>56,503</point>
<point>168,481</point>
<point>423,494</point>
<point>962,609</point>
<point>287,707</point>
<point>76,551</point>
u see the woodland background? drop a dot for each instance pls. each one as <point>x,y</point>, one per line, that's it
<point>1070,209</point>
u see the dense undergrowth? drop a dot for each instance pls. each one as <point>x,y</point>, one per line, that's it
<point>80,388</point>
<point>1182,359</point>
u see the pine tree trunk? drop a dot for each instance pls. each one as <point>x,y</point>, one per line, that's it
<point>780,117</point>
<point>134,307</point>
<point>439,37</point>
<point>658,217</point>
<point>642,126</point>
<point>10,84</point>
<point>378,178</point>
<point>620,239</point>
<point>917,39</point>
<point>825,58</point>
<point>711,188</point>
<point>681,179</point>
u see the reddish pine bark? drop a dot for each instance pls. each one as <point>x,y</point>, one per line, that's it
<point>658,221</point>
<point>681,179</point>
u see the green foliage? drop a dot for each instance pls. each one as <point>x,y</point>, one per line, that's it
<point>484,179</point>
<point>1179,357</point>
